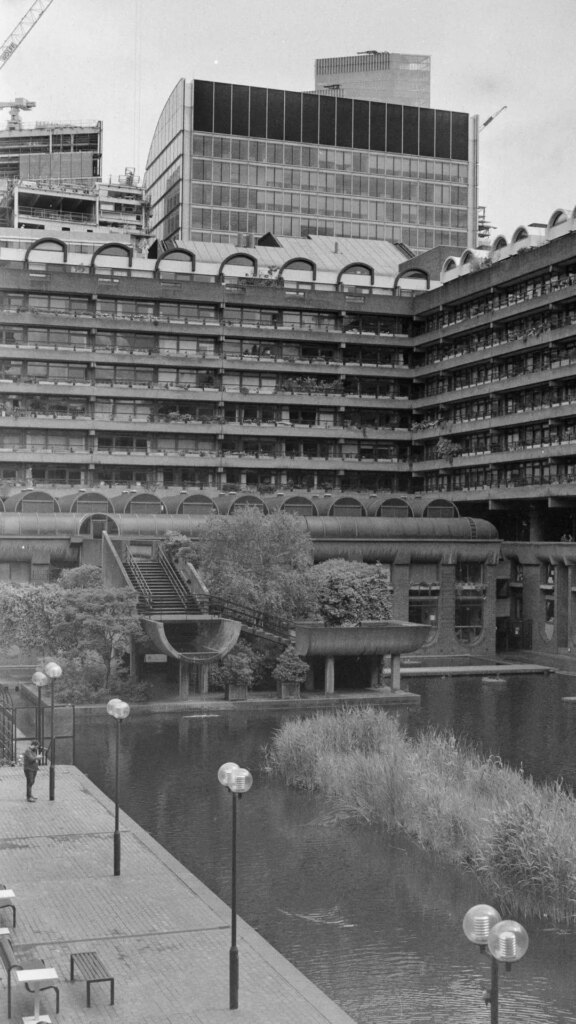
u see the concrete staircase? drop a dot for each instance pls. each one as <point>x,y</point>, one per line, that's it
<point>159,593</point>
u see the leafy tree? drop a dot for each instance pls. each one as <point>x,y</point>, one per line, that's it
<point>253,560</point>
<point>349,592</point>
<point>80,626</point>
<point>94,620</point>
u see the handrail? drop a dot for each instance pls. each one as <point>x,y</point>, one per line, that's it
<point>175,579</point>
<point>141,582</point>
<point>250,616</point>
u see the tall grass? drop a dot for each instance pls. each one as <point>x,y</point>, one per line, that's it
<point>517,837</point>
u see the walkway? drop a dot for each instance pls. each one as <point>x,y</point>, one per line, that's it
<point>162,934</point>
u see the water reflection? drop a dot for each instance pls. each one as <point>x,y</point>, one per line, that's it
<point>374,921</point>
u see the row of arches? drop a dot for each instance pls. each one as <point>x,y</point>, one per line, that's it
<point>199,503</point>
<point>55,250</point>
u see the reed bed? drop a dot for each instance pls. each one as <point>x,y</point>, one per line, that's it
<point>518,838</point>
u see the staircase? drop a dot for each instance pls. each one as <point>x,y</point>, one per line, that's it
<point>159,592</point>
<point>163,593</point>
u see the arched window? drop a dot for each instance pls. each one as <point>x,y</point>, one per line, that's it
<point>415,279</point>
<point>112,255</point>
<point>177,261</point>
<point>240,265</point>
<point>298,270</point>
<point>47,250</point>
<point>558,217</point>
<point>356,275</point>
<point>519,235</point>
<point>499,243</point>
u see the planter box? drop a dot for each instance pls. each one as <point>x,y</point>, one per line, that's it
<point>237,691</point>
<point>288,691</point>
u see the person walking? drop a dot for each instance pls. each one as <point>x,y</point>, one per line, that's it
<point>31,765</point>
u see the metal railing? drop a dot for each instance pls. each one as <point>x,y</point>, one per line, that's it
<point>141,583</point>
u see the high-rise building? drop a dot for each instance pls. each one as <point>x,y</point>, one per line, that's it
<point>229,160</point>
<point>388,77</point>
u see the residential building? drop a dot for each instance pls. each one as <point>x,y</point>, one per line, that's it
<point>333,378</point>
<point>229,160</point>
<point>402,78</point>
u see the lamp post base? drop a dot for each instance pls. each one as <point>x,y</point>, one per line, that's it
<point>52,781</point>
<point>234,972</point>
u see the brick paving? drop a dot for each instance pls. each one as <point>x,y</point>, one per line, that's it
<point>163,935</point>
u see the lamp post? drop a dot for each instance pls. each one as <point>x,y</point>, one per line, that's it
<point>237,781</point>
<point>40,679</point>
<point>506,941</point>
<point>119,710</point>
<point>53,671</point>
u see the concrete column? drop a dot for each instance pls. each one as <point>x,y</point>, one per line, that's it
<point>184,674</point>
<point>329,675</point>
<point>309,681</point>
<point>395,671</point>
<point>375,669</point>
<point>202,677</point>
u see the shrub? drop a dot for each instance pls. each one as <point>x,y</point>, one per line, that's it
<point>289,668</point>
<point>518,838</point>
<point>348,592</point>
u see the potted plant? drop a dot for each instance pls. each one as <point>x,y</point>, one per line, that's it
<point>234,673</point>
<point>289,674</point>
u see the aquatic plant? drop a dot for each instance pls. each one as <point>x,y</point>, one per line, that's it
<point>517,837</point>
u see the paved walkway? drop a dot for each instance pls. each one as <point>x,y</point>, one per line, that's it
<point>162,934</point>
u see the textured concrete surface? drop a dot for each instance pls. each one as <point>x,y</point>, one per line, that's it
<point>163,935</point>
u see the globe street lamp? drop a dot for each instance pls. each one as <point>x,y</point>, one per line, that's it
<point>237,781</point>
<point>53,671</point>
<point>506,941</point>
<point>40,679</point>
<point>119,710</point>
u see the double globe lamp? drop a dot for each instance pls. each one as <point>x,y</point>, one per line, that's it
<point>506,941</point>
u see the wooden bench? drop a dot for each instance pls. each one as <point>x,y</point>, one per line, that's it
<point>7,902</point>
<point>13,961</point>
<point>92,970</point>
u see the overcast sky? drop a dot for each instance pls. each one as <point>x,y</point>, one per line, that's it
<point>118,60</point>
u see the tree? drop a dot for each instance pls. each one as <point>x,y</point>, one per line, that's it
<point>92,621</point>
<point>86,628</point>
<point>253,560</point>
<point>350,592</point>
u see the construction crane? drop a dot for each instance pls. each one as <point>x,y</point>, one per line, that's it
<point>491,118</point>
<point>15,106</point>
<point>11,44</point>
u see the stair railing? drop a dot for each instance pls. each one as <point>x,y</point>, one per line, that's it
<point>139,577</point>
<point>188,599</point>
<point>251,617</point>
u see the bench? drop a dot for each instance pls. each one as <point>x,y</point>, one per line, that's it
<point>92,970</point>
<point>7,902</point>
<point>13,961</point>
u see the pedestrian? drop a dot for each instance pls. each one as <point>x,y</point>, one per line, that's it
<point>31,765</point>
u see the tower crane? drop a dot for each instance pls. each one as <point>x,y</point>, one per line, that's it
<point>11,44</point>
<point>15,106</point>
<point>491,118</point>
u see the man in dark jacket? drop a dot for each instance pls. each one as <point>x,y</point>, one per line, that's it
<point>31,764</point>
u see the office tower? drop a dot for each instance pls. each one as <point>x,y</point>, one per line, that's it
<point>388,77</point>
<point>234,160</point>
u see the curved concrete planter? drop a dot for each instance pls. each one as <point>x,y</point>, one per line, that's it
<point>369,639</point>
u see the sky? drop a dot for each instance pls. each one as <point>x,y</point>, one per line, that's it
<point>118,60</point>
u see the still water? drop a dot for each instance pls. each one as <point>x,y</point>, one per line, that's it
<point>372,920</point>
